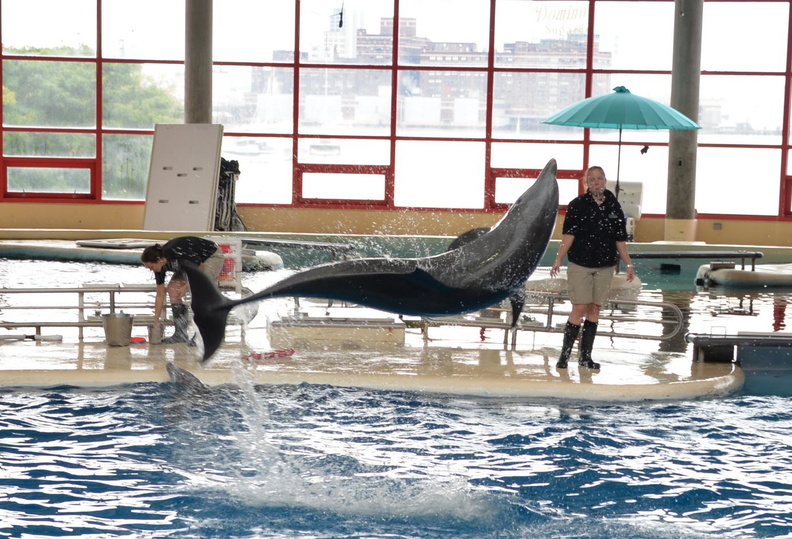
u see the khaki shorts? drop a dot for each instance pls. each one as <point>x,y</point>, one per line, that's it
<point>212,266</point>
<point>589,285</point>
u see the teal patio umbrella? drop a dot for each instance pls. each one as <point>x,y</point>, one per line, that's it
<point>621,110</point>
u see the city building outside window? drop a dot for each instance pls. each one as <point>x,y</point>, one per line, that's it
<point>394,104</point>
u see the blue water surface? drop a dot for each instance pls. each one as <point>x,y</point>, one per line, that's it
<point>160,460</point>
<point>308,461</point>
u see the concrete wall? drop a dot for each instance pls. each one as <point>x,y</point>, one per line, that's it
<point>39,215</point>
<point>60,215</point>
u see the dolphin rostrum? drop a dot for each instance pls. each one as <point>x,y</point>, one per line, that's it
<point>477,274</point>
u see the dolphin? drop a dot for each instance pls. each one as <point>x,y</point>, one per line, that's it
<point>475,275</point>
<point>517,299</point>
<point>185,379</point>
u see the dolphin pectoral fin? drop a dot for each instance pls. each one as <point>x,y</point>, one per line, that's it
<point>210,309</point>
<point>517,300</point>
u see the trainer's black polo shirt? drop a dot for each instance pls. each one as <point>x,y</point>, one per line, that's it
<point>596,230</point>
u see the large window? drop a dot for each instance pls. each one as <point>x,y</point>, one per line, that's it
<point>391,104</point>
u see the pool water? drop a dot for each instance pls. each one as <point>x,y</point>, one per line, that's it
<point>154,460</point>
<point>166,460</point>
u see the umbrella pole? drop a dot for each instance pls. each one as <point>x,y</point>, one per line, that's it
<point>618,164</point>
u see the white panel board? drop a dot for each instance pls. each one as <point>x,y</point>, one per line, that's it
<point>183,177</point>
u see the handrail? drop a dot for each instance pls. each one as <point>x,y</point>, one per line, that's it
<point>545,305</point>
<point>613,304</point>
<point>712,255</point>
<point>547,309</point>
<point>82,307</point>
<point>89,311</point>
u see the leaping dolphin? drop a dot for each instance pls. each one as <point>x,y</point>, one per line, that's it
<point>517,299</point>
<point>477,274</point>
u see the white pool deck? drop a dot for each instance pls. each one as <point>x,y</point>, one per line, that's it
<point>454,361</point>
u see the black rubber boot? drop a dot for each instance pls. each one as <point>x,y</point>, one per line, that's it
<point>181,323</point>
<point>570,334</point>
<point>586,343</point>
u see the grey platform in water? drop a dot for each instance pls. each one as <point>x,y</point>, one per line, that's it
<point>765,358</point>
<point>112,251</point>
<point>737,347</point>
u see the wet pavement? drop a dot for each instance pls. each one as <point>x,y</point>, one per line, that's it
<point>462,361</point>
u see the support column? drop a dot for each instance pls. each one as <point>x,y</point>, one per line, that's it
<point>680,223</point>
<point>198,62</point>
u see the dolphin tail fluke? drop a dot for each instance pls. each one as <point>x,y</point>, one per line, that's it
<point>210,308</point>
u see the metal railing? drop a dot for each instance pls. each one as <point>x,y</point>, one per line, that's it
<point>541,310</point>
<point>708,255</point>
<point>88,303</point>
<point>77,307</point>
<point>540,313</point>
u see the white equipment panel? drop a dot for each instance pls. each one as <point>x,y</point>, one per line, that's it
<point>183,177</point>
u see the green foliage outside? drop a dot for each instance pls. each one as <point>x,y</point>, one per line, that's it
<point>50,93</point>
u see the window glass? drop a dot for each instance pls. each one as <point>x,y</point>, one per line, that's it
<point>27,143</point>
<point>601,85</point>
<point>744,36</point>
<point>252,99</point>
<point>442,103</point>
<point>439,174</point>
<point>30,180</point>
<point>49,36</point>
<point>567,190</point>
<point>444,32</point>
<point>142,95</point>
<point>340,186</point>
<point>345,101</point>
<point>741,109</point>
<point>649,167</point>
<point>253,31</point>
<point>521,101</point>
<point>344,151</point>
<point>125,166</point>
<point>633,35</point>
<point>536,156</point>
<point>541,34</point>
<point>143,29</point>
<point>507,190</point>
<point>49,93</point>
<point>266,175</point>
<point>348,32</point>
<point>738,181</point>
<point>242,148</point>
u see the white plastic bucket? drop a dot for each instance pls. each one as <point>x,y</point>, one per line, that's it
<point>155,334</point>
